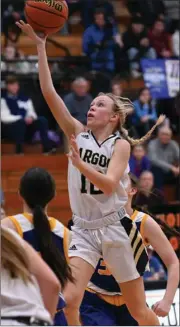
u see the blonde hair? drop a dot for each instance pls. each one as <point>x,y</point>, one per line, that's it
<point>123,107</point>
<point>14,257</point>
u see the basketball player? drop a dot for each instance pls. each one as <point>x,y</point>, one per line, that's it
<point>29,288</point>
<point>103,303</point>
<point>97,176</point>
<point>46,235</point>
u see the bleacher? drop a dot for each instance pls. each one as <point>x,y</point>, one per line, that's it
<point>13,167</point>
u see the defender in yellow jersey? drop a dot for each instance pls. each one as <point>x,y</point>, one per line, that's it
<point>103,303</point>
<point>45,234</point>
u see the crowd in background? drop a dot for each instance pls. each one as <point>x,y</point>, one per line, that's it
<point>153,32</point>
<point>160,156</point>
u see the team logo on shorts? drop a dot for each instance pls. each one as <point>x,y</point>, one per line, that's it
<point>73,247</point>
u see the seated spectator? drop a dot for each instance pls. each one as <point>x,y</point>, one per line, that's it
<point>157,271</point>
<point>107,6</point>
<point>137,44</point>
<point>160,40</point>
<point>116,88</point>
<point>138,162</point>
<point>145,114</point>
<point>85,8</point>
<point>99,41</point>
<point>89,7</point>
<point>172,14</point>
<point>148,197</point>
<point>175,42</point>
<point>79,100</point>
<point>18,117</point>
<point>163,153</point>
<point>149,10</point>
<point>9,54</point>
<point>10,30</point>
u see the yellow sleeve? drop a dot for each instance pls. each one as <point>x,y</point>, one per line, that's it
<point>66,239</point>
<point>65,236</point>
<point>17,225</point>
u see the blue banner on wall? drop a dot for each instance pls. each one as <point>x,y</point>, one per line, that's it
<point>161,77</point>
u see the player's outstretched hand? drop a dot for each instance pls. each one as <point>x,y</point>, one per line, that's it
<point>161,308</point>
<point>28,30</point>
<point>74,152</point>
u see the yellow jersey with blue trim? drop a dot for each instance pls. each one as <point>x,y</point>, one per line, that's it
<point>102,282</point>
<point>24,226</point>
<point>86,200</point>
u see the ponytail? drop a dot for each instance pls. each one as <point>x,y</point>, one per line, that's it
<point>143,139</point>
<point>172,231</point>
<point>123,107</point>
<point>48,249</point>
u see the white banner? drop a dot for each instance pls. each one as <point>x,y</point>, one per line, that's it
<point>172,75</point>
<point>173,318</point>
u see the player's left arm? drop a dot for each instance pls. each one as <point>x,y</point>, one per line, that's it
<point>155,236</point>
<point>108,182</point>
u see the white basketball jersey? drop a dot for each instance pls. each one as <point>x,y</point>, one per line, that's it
<point>86,200</point>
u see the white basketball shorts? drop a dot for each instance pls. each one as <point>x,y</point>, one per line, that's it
<point>116,239</point>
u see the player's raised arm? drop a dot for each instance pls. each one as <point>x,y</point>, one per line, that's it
<point>57,106</point>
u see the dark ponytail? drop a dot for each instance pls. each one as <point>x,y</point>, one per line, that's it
<point>37,187</point>
<point>172,231</point>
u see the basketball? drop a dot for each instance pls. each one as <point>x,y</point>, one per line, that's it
<point>47,16</point>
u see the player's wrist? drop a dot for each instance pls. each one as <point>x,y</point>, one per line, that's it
<point>80,164</point>
<point>41,45</point>
<point>168,300</point>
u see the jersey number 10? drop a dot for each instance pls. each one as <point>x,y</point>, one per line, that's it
<point>92,187</point>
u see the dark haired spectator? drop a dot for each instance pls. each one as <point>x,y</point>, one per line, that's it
<point>87,9</point>
<point>149,10</point>
<point>99,41</point>
<point>107,7</point>
<point>163,153</point>
<point>18,117</point>
<point>148,196</point>
<point>79,100</point>
<point>160,40</point>
<point>11,12</point>
<point>145,114</point>
<point>116,88</point>
<point>139,162</point>
<point>84,7</point>
<point>137,45</point>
